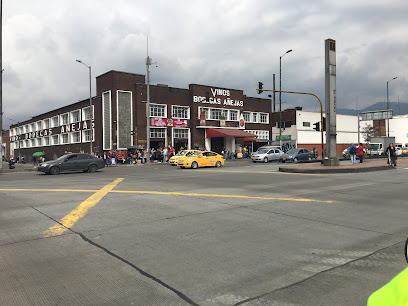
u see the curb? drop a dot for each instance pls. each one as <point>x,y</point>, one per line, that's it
<point>334,170</point>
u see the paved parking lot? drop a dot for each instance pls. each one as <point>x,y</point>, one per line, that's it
<point>159,235</point>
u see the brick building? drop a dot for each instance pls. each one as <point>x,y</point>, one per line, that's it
<point>198,117</point>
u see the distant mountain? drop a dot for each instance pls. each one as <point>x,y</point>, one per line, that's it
<point>398,108</point>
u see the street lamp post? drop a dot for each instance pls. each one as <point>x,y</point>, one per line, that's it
<point>90,103</point>
<point>388,107</point>
<point>280,97</point>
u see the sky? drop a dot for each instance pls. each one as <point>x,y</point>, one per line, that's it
<point>221,43</point>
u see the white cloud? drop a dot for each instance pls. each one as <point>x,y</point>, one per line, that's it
<point>226,43</point>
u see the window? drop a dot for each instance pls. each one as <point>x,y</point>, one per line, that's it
<point>26,143</point>
<point>283,124</point>
<point>264,118</point>
<point>307,124</point>
<point>38,125</point>
<point>39,142</point>
<point>86,114</point>
<point>46,141</point>
<point>32,142</point>
<point>180,112</point>
<point>255,117</point>
<point>64,138</point>
<point>54,121</point>
<point>247,116</point>
<point>75,137</point>
<point>32,127</point>
<point>26,128</point>
<point>46,124</point>
<point>55,139</point>
<point>75,116</point>
<point>86,135</point>
<point>233,115</point>
<point>180,133</point>
<point>64,119</point>
<point>206,112</point>
<point>157,110</point>
<point>157,133</point>
<point>215,114</point>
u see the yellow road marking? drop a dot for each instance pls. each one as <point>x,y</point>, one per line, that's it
<point>261,172</point>
<point>74,216</point>
<point>176,193</point>
<point>219,196</point>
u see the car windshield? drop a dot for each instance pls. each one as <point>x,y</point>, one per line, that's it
<point>62,157</point>
<point>293,151</point>
<point>195,154</point>
<point>373,146</point>
<point>182,153</point>
<point>262,151</point>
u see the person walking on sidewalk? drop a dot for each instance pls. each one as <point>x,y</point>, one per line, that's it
<point>352,152</point>
<point>360,152</point>
<point>392,156</point>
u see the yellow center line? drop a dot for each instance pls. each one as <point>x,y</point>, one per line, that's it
<point>219,196</point>
<point>260,172</point>
<point>174,193</point>
<point>79,212</point>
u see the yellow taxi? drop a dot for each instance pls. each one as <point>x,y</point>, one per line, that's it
<point>174,159</point>
<point>404,150</point>
<point>201,159</point>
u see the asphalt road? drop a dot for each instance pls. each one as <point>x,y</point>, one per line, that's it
<point>158,235</point>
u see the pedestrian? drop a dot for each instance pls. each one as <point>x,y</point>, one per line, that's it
<point>34,160</point>
<point>352,152</point>
<point>360,152</point>
<point>164,154</point>
<point>392,156</point>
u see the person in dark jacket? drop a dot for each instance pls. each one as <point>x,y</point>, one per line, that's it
<point>392,155</point>
<point>352,152</point>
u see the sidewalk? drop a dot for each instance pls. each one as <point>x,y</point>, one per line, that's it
<point>345,166</point>
<point>18,168</point>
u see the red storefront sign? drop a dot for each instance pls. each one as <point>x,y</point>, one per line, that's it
<point>164,122</point>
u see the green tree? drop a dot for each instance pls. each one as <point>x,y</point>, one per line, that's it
<point>368,132</point>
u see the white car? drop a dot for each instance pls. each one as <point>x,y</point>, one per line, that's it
<point>266,155</point>
<point>398,151</point>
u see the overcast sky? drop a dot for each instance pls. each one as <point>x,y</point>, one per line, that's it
<point>222,43</point>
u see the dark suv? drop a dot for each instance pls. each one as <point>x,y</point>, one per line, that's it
<point>72,162</point>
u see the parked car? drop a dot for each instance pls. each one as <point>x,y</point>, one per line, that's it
<point>296,155</point>
<point>201,159</point>
<point>72,162</point>
<point>398,151</point>
<point>405,150</point>
<point>266,154</point>
<point>174,159</point>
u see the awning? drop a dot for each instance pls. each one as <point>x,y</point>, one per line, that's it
<point>212,133</point>
<point>256,140</point>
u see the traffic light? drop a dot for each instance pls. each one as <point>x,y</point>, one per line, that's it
<point>260,87</point>
<point>324,124</point>
<point>317,126</point>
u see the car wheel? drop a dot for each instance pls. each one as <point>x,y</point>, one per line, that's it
<point>218,164</point>
<point>283,161</point>
<point>92,168</point>
<point>265,160</point>
<point>254,161</point>
<point>54,170</point>
<point>194,165</point>
<point>295,160</point>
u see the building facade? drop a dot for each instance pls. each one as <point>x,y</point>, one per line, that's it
<point>201,116</point>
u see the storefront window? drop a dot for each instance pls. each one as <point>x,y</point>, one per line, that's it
<point>157,132</point>
<point>180,133</point>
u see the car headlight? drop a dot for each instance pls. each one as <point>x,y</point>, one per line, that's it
<point>43,165</point>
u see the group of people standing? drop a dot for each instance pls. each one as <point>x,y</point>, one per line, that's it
<point>359,151</point>
<point>356,151</point>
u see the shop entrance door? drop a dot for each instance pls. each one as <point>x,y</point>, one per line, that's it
<point>217,144</point>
